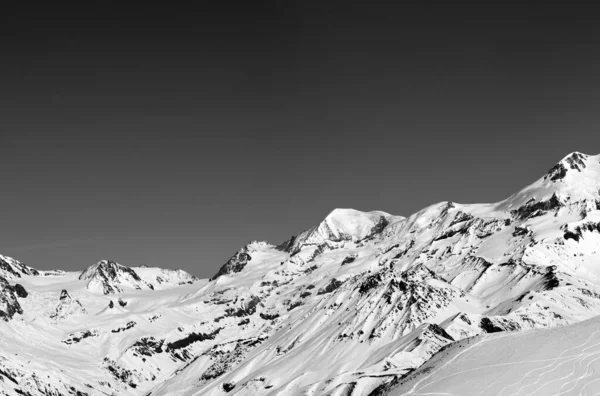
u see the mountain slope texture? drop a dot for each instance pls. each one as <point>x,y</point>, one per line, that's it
<point>488,299</point>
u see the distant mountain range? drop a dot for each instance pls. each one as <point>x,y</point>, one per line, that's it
<point>454,299</point>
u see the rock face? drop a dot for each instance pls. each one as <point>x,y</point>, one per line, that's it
<point>108,277</point>
<point>14,269</point>
<point>67,306</point>
<point>9,305</point>
<point>236,263</point>
<point>352,306</point>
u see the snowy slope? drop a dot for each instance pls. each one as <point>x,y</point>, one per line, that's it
<point>564,360</point>
<point>351,306</point>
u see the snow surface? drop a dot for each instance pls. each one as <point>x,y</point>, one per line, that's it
<point>560,361</point>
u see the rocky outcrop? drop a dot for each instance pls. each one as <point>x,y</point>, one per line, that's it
<point>330,287</point>
<point>13,269</point>
<point>575,161</point>
<point>533,208</point>
<point>67,306</point>
<point>79,336</point>
<point>109,277</point>
<point>576,233</point>
<point>236,263</point>
<point>9,305</point>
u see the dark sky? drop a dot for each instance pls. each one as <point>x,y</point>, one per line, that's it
<point>172,136</point>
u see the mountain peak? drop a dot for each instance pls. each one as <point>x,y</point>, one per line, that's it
<point>576,177</point>
<point>12,269</point>
<point>109,277</point>
<point>341,224</point>
<point>350,224</point>
<point>575,161</point>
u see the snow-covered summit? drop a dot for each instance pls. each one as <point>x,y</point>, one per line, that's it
<point>164,277</point>
<point>574,178</point>
<point>110,277</point>
<point>342,225</point>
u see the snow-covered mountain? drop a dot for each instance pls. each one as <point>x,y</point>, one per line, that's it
<point>364,303</point>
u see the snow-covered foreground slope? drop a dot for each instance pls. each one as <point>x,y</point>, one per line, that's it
<point>559,361</point>
<point>351,306</point>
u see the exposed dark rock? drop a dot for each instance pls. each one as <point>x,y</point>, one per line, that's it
<point>236,263</point>
<point>267,316</point>
<point>120,373</point>
<point>147,346</point>
<point>310,269</point>
<point>225,360</point>
<point>577,233</point>
<point>108,275</point>
<point>64,295</point>
<point>403,251</point>
<point>12,268</point>
<point>9,305</point>
<point>111,304</point>
<point>288,245</point>
<point>20,291</point>
<point>449,233</point>
<point>8,376</point>
<point>67,306</point>
<point>128,326</point>
<point>371,282</point>
<point>557,172</point>
<point>534,209</point>
<point>227,386</point>
<point>77,337</point>
<point>109,270</point>
<point>8,269</point>
<point>122,303</point>
<point>460,217</point>
<point>295,305</point>
<point>551,280</point>
<point>572,235</point>
<point>464,318</point>
<point>520,231</point>
<point>348,260</point>
<point>249,308</point>
<point>575,161</point>
<point>498,324</point>
<point>489,327</point>
<point>436,329</point>
<point>379,227</point>
<point>331,286</point>
<point>190,339</point>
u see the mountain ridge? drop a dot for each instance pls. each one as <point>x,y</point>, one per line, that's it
<point>351,306</point>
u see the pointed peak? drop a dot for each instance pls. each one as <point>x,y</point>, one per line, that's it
<point>64,295</point>
<point>101,267</point>
<point>108,277</point>
<point>574,162</point>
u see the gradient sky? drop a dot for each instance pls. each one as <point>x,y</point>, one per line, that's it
<point>171,137</point>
